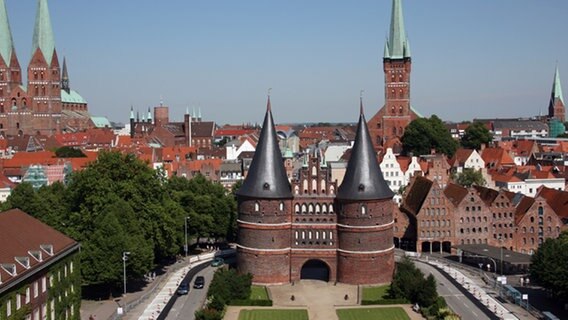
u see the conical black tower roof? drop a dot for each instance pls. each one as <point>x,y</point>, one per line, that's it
<point>267,177</point>
<point>363,179</point>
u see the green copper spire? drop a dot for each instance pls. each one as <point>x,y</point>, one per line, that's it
<point>6,42</point>
<point>398,47</point>
<point>386,54</point>
<point>556,87</point>
<point>43,33</point>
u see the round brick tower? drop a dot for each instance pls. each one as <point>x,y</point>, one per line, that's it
<point>265,215</point>
<point>365,217</point>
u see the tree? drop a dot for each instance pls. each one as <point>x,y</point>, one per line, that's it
<point>475,135</point>
<point>549,266</point>
<point>409,283</point>
<point>469,177</point>
<point>423,134</point>
<point>69,152</point>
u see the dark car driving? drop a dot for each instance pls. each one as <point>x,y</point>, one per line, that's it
<point>183,288</point>
<point>199,282</point>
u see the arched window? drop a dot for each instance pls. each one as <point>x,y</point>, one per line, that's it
<point>297,208</point>
<point>317,208</point>
<point>363,209</point>
<point>331,191</point>
<point>322,185</point>
<point>540,211</point>
<point>324,208</point>
<point>296,189</point>
<point>310,208</point>
<point>305,186</point>
<point>314,171</point>
<point>314,186</point>
<point>281,206</point>
<point>256,207</point>
<point>304,208</point>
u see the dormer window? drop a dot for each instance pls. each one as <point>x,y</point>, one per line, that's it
<point>24,261</point>
<point>36,254</point>
<point>48,248</point>
<point>361,187</point>
<point>10,268</point>
<point>266,186</point>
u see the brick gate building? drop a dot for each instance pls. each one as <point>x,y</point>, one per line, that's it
<point>312,229</point>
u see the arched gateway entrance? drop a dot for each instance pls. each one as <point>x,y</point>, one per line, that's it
<point>315,270</point>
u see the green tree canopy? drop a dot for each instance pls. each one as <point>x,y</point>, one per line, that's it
<point>69,152</point>
<point>424,134</point>
<point>118,203</point>
<point>409,283</point>
<point>475,135</point>
<point>469,177</point>
<point>549,266</point>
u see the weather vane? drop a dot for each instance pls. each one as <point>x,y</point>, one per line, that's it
<point>269,89</point>
<point>361,93</point>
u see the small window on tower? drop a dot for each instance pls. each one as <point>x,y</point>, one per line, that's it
<point>363,209</point>
<point>256,207</point>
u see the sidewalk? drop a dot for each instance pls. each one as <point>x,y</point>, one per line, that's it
<point>105,309</point>
<point>486,294</point>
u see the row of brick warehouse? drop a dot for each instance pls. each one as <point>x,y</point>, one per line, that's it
<point>433,218</point>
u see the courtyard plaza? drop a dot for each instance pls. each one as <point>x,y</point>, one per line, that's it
<point>320,298</point>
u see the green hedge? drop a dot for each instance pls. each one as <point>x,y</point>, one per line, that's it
<point>249,302</point>
<point>384,302</point>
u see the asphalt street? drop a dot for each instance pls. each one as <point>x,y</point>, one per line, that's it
<point>455,299</point>
<point>186,305</point>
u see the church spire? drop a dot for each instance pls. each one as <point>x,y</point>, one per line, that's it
<point>6,41</point>
<point>65,77</point>
<point>556,87</point>
<point>397,46</point>
<point>363,178</point>
<point>43,33</point>
<point>267,177</point>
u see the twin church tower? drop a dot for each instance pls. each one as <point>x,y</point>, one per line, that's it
<point>47,105</point>
<point>312,229</point>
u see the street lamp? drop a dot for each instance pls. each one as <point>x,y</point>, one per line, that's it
<point>501,260</point>
<point>124,258</point>
<point>185,247</point>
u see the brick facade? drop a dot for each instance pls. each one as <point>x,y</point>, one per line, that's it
<point>277,238</point>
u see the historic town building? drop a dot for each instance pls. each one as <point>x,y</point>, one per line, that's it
<point>47,105</point>
<point>39,270</point>
<point>158,129</point>
<point>387,125</point>
<point>313,229</point>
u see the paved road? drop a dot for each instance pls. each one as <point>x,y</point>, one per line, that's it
<point>454,297</point>
<point>185,306</point>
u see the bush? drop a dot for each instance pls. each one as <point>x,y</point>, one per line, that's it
<point>208,314</point>
<point>409,283</point>
<point>249,302</point>
<point>384,302</point>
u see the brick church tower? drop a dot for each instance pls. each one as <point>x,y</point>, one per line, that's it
<point>556,107</point>
<point>387,125</point>
<point>365,217</point>
<point>264,205</point>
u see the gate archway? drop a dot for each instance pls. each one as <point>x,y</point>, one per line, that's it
<point>315,270</point>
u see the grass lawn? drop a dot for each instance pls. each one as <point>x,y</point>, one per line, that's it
<point>274,314</point>
<point>375,293</point>
<point>258,293</point>
<point>391,313</point>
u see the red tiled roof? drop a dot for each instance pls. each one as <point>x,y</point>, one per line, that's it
<point>416,194</point>
<point>556,199</point>
<point>496,157</point>
<point>460,157</point>
<point>20,233</point>
<point>455,193</point>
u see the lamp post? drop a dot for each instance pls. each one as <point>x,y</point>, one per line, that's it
<point>501,259</point>
<point>185,247</point>
<point>124,258</point>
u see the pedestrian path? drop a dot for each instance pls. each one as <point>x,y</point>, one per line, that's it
<point>477,291</point>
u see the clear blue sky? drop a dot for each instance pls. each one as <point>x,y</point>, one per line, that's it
<point>480,58</point>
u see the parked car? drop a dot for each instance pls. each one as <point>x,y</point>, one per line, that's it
<point>217,262</point>
<point>183,288</point>
<point>199,282</point>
